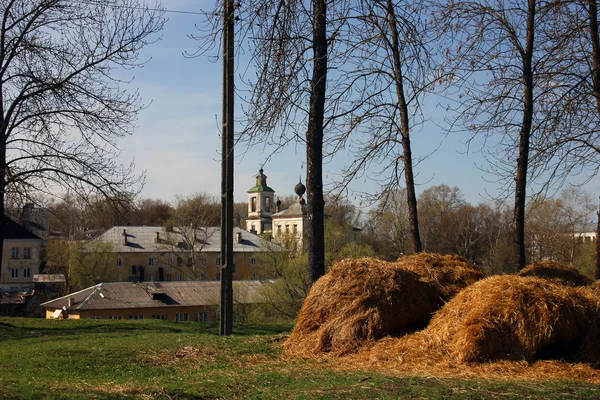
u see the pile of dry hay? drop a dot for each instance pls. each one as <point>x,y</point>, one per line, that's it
<point>448,273</point>
<point>509,318</point>
<point>557,273</point>
<point>360,301</point>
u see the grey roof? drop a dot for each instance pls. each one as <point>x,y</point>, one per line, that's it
<point>126,295</point>
<point>295,210</point>
<point>208,239</point>
<point>13,230</point>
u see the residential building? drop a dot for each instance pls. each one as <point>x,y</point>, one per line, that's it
<point>172,301</point>
<point>21,257</point>
<point>152,253</point>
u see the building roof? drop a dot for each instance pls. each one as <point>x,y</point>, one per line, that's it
<point>260,188</point>
<point>143,239</point>
<point>12,230</point>
<point>295,210</point>
<point>126,295</point>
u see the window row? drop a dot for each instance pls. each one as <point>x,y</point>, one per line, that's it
<point>14,273</point>
<point>178,261</point>
<point>14,254</point>
<point>179,317</point>
<point>287,229</point>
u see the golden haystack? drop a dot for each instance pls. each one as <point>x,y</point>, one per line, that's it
<point>556,272</point>
<point>358,302</point>
<point>448,273</point>
<point>513,317</point>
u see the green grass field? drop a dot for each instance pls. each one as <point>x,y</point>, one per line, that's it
<point>96,359</point>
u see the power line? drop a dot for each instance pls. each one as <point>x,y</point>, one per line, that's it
<point>166,10</point>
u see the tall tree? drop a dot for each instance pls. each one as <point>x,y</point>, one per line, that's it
<point>62,108</point>
<point>499,54</point>
<point>390,70</point>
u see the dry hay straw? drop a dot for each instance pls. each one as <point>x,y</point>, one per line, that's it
<point>556,272</point>
<point>448,273</point>
<point>358,302</point>
<point>514,318</point>
<point>499,328</point>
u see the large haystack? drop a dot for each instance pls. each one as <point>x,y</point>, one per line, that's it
<point>556,272</point>
<point>448,273</point>
<point>358,302</point>
<point>513,317</point>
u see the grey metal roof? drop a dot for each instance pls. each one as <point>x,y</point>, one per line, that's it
<point>142,239</point>
<point>295,210</point>
<point>127,295</point>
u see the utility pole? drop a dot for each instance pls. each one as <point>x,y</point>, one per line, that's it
<point>226,320</point>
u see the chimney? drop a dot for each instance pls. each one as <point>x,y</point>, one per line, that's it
<point>70,301</point>
<point>157,239</point>
<point>124,237</point>
<point>238,237</point>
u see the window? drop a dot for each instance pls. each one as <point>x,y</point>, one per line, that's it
<point>27,273</point>
<point>295,229</point>
<point>170,261</point>
<point>134,270</point>
<point>253,277</point>
<point>268,204</point>
<point>14,273</point>
<point>27,252</point>
<point>15,252</point>
<point>115,317</point>
<point>181,317</point>
<point>151,261</point>
<point>202,277</point>
<point>253,204</point>
<point>218,262</point>
<point>169,277</point>
<point>287,229</point>
<point>253,228</point>
<point>201,317</point>
<point>160,316</point>
<point>151,277</point>
<point>279,229</point>
<point>179,277</point>
<point>253,262</point>
<point>179,262</point>
<point>218,276</point>
<point>136,317</point>
<point>203,262</point>
<point>190,263</point>
<point>119,262</point>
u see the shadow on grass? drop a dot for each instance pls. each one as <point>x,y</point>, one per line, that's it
<point>23,328</point>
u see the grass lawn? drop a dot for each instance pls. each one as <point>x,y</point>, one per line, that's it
<point>100,359</point>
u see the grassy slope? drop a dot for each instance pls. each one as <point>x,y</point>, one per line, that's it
<point>97,359</point>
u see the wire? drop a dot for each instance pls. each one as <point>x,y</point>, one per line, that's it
<point>166,10</point>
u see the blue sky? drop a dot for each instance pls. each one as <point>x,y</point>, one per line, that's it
<point>177,141</point>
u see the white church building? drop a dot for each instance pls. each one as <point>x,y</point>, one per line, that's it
<point>265,216</point>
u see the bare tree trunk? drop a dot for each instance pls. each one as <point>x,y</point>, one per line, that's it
<point>411,196</point>
<point>524,139</point>
<point>597,266</point>
<point>595,39</point>
<point>314,145</point>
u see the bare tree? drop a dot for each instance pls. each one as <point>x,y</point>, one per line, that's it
<point>390,70</point>
<point>501,56</point>
<point>62,107</point>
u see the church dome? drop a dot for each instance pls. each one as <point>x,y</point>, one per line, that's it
<point>300,189</point>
